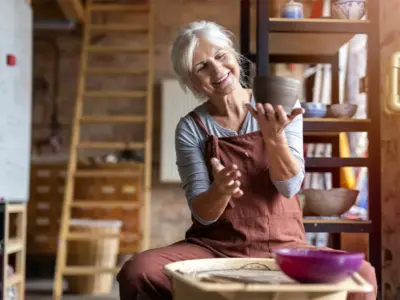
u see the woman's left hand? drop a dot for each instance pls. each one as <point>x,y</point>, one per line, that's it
<point>272,121</point>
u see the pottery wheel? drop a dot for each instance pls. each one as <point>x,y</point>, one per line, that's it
<point>251,274</point>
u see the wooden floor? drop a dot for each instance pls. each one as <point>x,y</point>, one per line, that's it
<point>41,289</point>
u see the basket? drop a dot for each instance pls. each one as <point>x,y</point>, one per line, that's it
<point>100,252</point>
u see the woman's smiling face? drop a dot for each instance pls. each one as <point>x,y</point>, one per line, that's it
<point>215,71</point>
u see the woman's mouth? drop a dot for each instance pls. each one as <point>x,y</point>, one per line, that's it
<point>223,79</point>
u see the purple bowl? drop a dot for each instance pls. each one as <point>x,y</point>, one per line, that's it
<point>318,266</point>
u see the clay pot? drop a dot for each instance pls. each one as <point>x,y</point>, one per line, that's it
<point>276,91</point>
<point>328,203</point>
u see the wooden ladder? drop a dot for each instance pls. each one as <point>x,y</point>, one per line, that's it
<point>14,245</point>
<point>146,51</point>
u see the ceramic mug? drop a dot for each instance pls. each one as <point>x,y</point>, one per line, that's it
<point>292,10</point>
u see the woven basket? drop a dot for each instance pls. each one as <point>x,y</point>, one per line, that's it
<point>101,252</point>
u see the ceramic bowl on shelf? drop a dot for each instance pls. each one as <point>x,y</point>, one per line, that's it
<point>328,202</point>
<point>314,110</point>
<point>276,90</point>
<point>348,9</point>
<point>318,266</point>
<point>342,111</point>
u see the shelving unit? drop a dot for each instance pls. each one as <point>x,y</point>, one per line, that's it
<point>14,244</point>
<point>308,41</point>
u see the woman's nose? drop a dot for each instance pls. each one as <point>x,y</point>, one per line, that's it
<point>216,67</point>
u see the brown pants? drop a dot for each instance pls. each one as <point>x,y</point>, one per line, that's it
<point>144,273</point>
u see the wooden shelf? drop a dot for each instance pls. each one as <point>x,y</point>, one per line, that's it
<point>336,162</point>
<point>337,226</point>
<point>311,37</point>
<point>336,125</point>
<point>325,25</point>
<point>14,245</point>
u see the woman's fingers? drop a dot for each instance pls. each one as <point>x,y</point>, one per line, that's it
<point>230,178</point>
<point>228,170</point>
<point>252,111</point>
<point>216,165</point>
<point>226,178</point>
<point>282,116</point>
<point>260,110</point>
<point>233,187</point>
<point>219,168</point>
<point>269,112</point>
<point>296,112</point>
<point>237,193</point>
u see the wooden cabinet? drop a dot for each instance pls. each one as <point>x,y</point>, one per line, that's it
<point>46,198</point>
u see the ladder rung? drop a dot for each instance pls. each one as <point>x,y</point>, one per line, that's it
<point>13,280</point>
<point>118,27</point>
<point>82,236</point>
<point>110,145</point>
<point>119,7</point>
<point>104,204</point>
<point>116,94</point>
<point>110,49</point>
<point>87,270</point>
<point>14,245</point>
<point>101,173</point>
<point>16,208</point>
<point>113,119</point>
<point>116,71</point>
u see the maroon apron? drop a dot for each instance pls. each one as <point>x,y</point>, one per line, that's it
<point>261,220</point>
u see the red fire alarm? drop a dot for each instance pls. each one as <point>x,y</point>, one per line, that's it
<point>11,60</point>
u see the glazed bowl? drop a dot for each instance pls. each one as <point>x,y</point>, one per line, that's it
<point>313,110</point>
<point>342,111</point>
<point>348,9</point>
<point>328,203</point>
<point>276,91</point>
<point>318,266</point>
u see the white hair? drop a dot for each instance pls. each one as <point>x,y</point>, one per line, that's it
<point>186,42</point>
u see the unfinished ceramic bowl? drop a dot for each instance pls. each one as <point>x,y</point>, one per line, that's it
<point>328,203</point>
<point>276,91</point>
<point>342,111</point>
<point>348,9</point>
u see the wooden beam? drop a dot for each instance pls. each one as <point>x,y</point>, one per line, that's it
<point>72,9</point>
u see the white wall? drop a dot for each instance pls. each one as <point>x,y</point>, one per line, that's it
<point>15,99</point>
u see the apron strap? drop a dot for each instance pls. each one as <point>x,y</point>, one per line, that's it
<point>198,121</point>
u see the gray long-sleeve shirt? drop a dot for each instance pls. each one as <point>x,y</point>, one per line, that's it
<point>190,152</point>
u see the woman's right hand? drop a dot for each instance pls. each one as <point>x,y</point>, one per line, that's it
<point>226,179</point>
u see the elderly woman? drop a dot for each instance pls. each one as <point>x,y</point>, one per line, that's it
<point>241,165</point>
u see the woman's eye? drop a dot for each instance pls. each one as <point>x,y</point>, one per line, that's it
<point>219,56</point>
